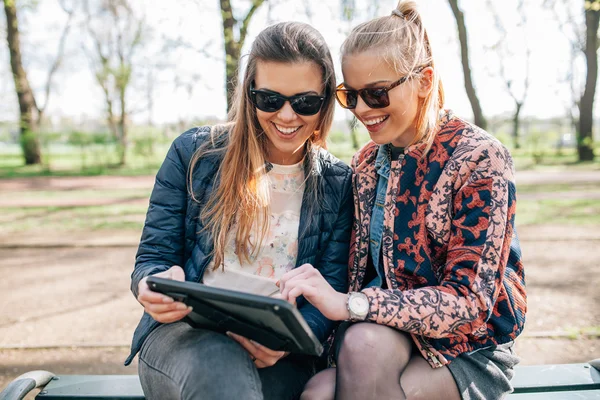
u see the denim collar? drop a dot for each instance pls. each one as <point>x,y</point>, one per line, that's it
<point>382,162</point>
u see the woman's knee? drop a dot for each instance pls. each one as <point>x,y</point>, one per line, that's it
<point>320,386</point>
<point>368,341</point>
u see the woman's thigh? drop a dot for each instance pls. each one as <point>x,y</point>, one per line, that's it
<point>181,362</point>
<point>420,381</point>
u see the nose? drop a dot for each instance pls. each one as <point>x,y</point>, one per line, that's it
<point>286,113</point>
<point>361,106</point>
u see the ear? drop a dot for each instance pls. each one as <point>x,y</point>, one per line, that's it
<point>425,83</point>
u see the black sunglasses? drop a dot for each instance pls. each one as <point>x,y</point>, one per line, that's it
<point>303,104</point>
<point>373,97</point>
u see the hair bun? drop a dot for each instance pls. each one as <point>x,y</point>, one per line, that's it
<point>398,13</point>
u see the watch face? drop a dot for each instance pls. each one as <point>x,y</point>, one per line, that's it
<point>359,305</point>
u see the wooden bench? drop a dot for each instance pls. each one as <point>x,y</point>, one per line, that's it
<point>548,382</point>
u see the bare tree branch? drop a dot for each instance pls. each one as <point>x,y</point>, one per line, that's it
<point>567,23</point>
<point>467,75</point>
<point>308,10</point>
<point>504,57</point>
<point>57,60</point>
<point>232,46</point>
<point>115,45</point>
<point>246,21</point>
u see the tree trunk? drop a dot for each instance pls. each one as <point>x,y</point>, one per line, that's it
<point>585,148</point>
<point>464,51</point>
<point>233,47</point>
<point>516,121</point>
<point>27,105</point>
<point>123,140</point>
<point>232,50</point>
<point>353,124</point>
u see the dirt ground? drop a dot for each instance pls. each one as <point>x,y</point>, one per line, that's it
<point>66,307</point>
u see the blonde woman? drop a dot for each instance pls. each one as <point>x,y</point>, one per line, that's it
<point>437,284</point>
<point>237,206</point>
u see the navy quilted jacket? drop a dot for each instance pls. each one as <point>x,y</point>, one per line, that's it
<point>173,233</point>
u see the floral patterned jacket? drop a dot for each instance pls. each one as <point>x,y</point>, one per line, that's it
<point>451,256</point>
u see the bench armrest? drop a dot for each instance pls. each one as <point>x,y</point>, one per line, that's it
<point>22,385</point>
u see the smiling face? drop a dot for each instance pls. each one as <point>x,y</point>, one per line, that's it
<point>287,132</point>
<point>395,123</point>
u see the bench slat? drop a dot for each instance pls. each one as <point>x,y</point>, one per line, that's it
<point>574,395</point>
<point>543,381</point>
<point>553,378</point>
<point>93,387</point>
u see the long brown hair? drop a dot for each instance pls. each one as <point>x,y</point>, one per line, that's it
<point>403,43</point>
<point>241,198</point>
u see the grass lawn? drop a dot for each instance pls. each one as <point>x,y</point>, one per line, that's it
<point>557,187</point>
<point>69,219</point>
<point>68,161</point>
<point>572,212</point>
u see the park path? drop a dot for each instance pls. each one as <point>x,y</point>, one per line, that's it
<point>109,182</point>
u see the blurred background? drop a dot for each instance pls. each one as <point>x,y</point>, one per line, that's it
<point>92,92</point>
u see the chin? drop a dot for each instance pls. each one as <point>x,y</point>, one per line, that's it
<point>381,138</point>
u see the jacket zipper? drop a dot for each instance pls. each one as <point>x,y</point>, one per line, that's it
<point>428,350</point>
<point>435,360</point>
<point>357,239</point>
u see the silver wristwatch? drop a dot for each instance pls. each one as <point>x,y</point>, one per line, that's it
<point>358,306</point>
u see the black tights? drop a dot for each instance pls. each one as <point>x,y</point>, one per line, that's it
<point>376,361</point>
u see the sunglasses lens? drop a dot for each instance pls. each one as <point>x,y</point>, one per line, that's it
<point>268,102</point>
<point>376,98</point>
<point>346,98</point>
<point>307,105</point>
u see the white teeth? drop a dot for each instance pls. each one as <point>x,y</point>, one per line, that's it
<point>287,131</point>
<point>375,121</point>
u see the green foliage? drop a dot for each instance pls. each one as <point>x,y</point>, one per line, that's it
<point>337,137</point>
<point>80,139</point>
<point>587,141</point>
<point>144,146</point>
<point>28,141</point>
<point>348,10</point>
<point>504,138</point>
<point>593,5</point>
<point>537,154</point>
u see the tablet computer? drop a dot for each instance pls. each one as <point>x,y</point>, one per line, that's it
<point>274,323</point>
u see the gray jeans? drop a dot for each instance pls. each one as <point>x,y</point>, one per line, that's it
<point>181,362</point>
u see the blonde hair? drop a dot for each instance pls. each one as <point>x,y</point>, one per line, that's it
<point>404,45</point>
<point>241,198</point>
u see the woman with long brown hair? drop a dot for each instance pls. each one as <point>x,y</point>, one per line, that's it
<point>236,206</point>
<point>437,291</point>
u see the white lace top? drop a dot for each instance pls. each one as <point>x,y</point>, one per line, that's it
<point>279,249</point>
